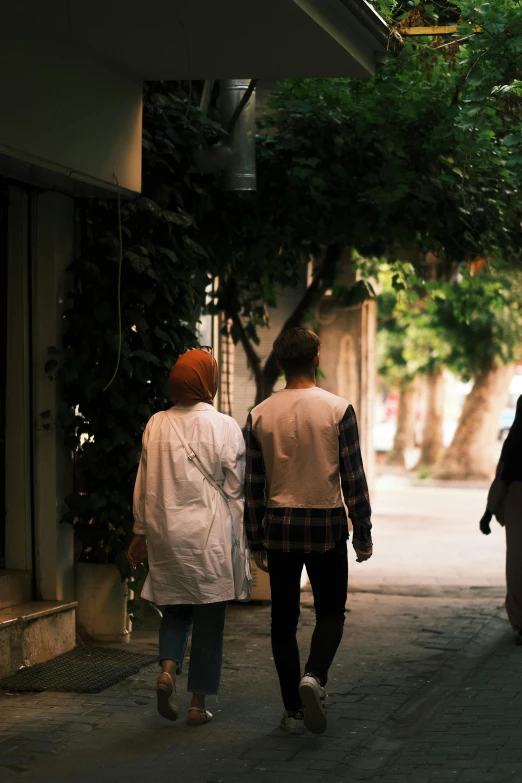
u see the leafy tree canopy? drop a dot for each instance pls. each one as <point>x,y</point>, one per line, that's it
<point>426,154</point>
<point>480,317</point>
<point>423,157</point>
<point>410,341</point>
<point>471,323</point>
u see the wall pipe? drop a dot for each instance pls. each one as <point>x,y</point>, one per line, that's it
<point>241,173</point>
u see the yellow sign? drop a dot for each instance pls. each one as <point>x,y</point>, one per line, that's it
<point>445,30</point>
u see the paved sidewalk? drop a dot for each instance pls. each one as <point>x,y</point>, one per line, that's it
<point>476,734</point>
<point>400,659</point>
<point>427,541</point>
<point>427,685</point>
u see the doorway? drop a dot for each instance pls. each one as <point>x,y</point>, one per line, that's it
<point>3,361</point>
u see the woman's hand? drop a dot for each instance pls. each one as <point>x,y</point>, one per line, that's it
<point>137,551</point>
<point>261,560</point>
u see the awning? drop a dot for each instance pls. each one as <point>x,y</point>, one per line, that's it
<point>202,39</point>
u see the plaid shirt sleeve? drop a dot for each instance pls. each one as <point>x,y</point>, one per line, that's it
<point>353,481</point>
<point>255,481</point>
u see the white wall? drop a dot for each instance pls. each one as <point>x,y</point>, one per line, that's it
<point>347,358</point>
<point>244,385</point>
<point>64,108</point>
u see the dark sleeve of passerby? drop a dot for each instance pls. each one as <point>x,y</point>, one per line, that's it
<point>485,522</point>
<point>353,481</point>
<point>510,465</point>
<point>255,481</point>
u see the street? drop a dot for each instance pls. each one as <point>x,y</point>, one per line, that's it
<point>427,540</point>
<point>426,685</point>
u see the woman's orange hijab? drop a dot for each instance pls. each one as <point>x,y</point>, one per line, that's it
<point>194,378</point>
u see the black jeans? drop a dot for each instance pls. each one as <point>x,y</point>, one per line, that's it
<point>328,574</point>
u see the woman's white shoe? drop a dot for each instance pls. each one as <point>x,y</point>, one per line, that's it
<point>166,697</point>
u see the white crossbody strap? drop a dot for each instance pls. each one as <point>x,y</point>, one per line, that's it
<point>193,457</point>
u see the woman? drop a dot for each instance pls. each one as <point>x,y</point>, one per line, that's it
<point>505,502</point>
<point>185,526</point>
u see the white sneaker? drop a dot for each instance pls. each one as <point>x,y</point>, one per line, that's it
<point>293,722</point>
<point>313,698</point>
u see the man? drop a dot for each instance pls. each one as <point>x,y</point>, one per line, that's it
<point>302,451</point>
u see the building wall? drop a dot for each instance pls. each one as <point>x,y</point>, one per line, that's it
<point>65,109</point>
<point>244,387</point>
<point>348,363</point>
<point>347,357</point>
<point>54,246</point>
<point>70,122</point>
<point>18,434</point>
<point>38,467</point>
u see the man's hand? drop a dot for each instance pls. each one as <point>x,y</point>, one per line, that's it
<point>363,554</point>
<point>261,560</point>
<point>137,551</point>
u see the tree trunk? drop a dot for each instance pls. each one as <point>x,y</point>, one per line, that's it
<point>471,454</point>
<point>266,377</point>
<point>405,434</point>
<point>433,432</point>
<point>323,279</point>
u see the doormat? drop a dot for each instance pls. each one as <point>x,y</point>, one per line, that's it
<point>82,670</point>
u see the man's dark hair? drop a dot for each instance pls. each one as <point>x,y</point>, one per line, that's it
<point>296,349</point>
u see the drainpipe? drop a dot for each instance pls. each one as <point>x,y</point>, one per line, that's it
<point>206,95</point>
<point>241,173</point>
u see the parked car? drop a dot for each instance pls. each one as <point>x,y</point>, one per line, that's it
<point>384,432</point>
<point>383,436</point>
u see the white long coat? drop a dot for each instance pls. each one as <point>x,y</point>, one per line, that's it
<point>188,524</point>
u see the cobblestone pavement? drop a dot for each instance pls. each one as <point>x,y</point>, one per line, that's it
<point>425,688</point>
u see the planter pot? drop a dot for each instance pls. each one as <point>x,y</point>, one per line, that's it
<point>261,583</point>
<point>102,602</point>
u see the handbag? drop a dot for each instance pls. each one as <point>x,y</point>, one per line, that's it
<point>241,565</point>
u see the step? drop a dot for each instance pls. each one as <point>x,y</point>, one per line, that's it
<point>34,632</point>
<point>15,587</point>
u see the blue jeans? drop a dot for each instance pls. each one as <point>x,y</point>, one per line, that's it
<point>207,622</point>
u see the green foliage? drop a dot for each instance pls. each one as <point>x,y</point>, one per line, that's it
<point>424,155</point>
<point>166,265</point>
<point>481,318</point>
<point>409,341</point>
<point>468,324</point>
<point>386,8</point>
